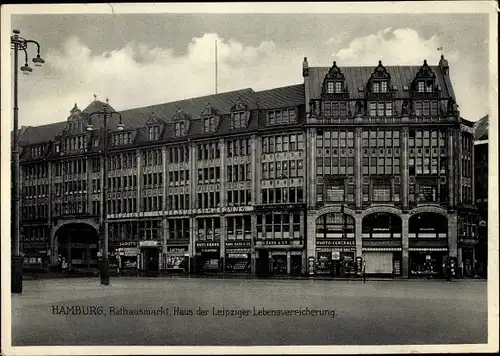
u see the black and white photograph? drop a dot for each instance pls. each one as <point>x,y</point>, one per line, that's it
<point>249,178</point>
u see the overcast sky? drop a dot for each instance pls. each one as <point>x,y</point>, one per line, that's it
<point>138,60</point>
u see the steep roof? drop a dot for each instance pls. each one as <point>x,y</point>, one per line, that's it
<point>136,118</point>
<point>356,77</point>
<point>481,129</point>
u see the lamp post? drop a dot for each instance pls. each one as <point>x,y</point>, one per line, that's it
<point>106,113</point>
<point>17,43</point>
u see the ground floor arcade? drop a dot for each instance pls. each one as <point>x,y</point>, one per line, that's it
<point>333,241</point>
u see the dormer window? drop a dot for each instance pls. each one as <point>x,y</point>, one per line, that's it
<point>425,86</point>
<point>210,119</point>
<point>179,129</point>
<point>379,87</point>
<point>37,151</point>
<point>209,124</point>
<point>123,138</point>
<point>154,132</point>
<point>58,147</point>
<point>240,116</point>
<point>333,82</point>
<point>96,142</point>
<point>238,120</point>
<point>281,117</point>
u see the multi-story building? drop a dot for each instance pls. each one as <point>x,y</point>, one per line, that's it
<point>481,185</point>
<point>356,162</point>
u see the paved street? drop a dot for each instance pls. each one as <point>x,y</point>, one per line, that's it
<point>378,312</point>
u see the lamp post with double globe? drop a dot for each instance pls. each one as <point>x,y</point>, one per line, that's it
<point>18,43</point>
<point>106,113</point>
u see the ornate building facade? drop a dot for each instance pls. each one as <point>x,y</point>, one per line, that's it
<point>356,162</point>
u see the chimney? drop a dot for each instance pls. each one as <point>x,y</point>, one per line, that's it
<point>305,68</point>
<point>443,64</point>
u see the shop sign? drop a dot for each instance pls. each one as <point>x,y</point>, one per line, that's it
<point>178,242</point>
<point>204,244</point>
<point>127,244</point>
<point>381,243</point>
<point>335,255</point>
<point>428,243</point>
<point>129,251</point>
<point>310,266</point>
<point>148,243</point>
<point>177,249</point>
<point>335,243</point>
<point>238,243</point>
<point>237,255</point>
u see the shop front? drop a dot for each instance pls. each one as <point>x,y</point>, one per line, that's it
<point>335,245</point>
<point>279,256</point>
<point>150,252</point>
<point>177,257</point>
<point>128,256</point>
<point>36,258</point>
<point>208,257</point>
<point>382,244</point>
<point>336,257</point>
<point>238,257</point>
<point>428,245</point>
<point>427,261</point>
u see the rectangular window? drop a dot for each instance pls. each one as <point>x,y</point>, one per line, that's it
<point>330,87</point>
<point>373,109</point>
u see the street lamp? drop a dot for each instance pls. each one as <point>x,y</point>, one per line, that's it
<point>17,43</point>
<point>106,113</point>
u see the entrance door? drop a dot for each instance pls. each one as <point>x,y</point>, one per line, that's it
<point>263,263</point>
<point>151,261</point>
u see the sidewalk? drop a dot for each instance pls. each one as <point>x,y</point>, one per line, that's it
<point>54,275</point>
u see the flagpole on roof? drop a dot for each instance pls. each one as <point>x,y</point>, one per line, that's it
<point>215,66</point>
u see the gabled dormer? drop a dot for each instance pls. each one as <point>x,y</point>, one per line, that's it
<point>154,127</point>
<point>181,122</point>
<point>38,151</point>
<point>334,82</point>
<point>210,119</point>
<point>75,136</point>
<point>77,122</point>
<point>240,115</point>
<point>424,83</point>
<point>379,82</point>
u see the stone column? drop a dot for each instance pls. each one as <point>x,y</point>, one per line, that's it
<point>358,168</point>
<point>405,172</point>
<point>311,237</point>
<point>254,236</point>
<point>453,234</point>
<point>288,263</point>
<point>102,197</point>
<point>358,219</point>
<point>451,173</point>
<point>139,180</point>
<point>165,178</point>
<point>164,226</point>
<point>193,223</point>
<point>405,218</point>
<point>223,178</point>
<point>310,163</point>
<point>256,167</point>
<point>460,168</point>
<point>223,233</point>
<point>89,183</point>
<point>193,175</point>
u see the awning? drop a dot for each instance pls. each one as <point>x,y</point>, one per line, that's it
<point>428,249</point>
<point>378,249</point>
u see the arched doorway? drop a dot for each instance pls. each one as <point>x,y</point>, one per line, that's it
<point>428,244</point>
<point>382,244</point>
<point>77,245</point>
<point>335,244</point>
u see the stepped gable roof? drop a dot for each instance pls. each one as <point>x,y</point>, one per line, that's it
<point>359,76</point>
<point>481,129</point>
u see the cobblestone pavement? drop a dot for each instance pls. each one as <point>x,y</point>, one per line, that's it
<point>378,312</point>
